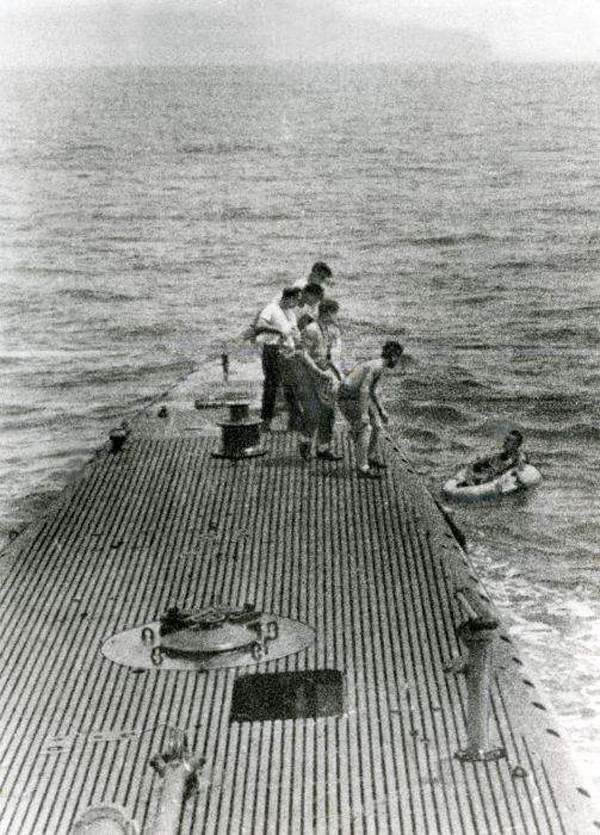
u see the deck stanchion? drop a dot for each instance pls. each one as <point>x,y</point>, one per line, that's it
<point>178,771</point>
<point>225,366</point>
<point>478,634</point>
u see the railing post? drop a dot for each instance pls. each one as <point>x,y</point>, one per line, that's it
<point>225,366</point>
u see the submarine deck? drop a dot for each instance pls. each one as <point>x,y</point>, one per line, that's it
<point>372,567</point>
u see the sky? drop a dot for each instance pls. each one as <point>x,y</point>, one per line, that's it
<point>89,32</point>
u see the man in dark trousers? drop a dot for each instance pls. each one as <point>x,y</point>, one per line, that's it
<point>276,330</point>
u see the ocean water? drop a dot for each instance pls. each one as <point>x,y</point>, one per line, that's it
<point>146,214</point>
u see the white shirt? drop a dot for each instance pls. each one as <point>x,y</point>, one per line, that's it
<point>274,318</point>
<point>311,310</point>
<point>302,282</point>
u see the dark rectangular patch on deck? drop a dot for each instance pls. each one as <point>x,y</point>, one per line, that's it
<point>299,695</point>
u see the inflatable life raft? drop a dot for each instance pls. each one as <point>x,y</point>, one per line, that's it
<point>517,478</point>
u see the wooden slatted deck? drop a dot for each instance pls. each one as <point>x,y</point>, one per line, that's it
<point>372,567</point>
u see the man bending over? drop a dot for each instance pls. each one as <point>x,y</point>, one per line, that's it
<point>358,402</point>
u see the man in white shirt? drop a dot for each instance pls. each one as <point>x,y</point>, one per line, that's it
<point>276,330</point>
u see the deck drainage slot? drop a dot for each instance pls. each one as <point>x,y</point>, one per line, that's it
<point>298,695</point>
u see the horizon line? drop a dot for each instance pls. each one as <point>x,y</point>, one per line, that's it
<point>312,63</point>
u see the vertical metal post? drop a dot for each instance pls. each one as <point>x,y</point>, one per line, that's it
<point>176,769</point>
<point>171,801</point>
<point>478,635</point>
<point>225,366</point>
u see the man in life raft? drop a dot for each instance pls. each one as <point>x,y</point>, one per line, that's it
<point>486,469</point>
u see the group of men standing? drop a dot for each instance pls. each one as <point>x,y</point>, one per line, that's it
<point>302,352</point>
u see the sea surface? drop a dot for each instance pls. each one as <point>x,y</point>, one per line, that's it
<point>145,215</point>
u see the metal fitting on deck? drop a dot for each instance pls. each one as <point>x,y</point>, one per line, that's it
<point>118,436</point>
<point>240,435</point>
<point>179,773</point>
<point>225,366</point>
<point>478,634</point>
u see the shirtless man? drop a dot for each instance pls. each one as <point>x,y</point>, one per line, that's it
<point>316,390</point>
<point>486,469</point>
<point>358,402</point>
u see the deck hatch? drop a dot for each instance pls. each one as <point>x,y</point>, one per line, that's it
<point>306,694</point>
<point>208,639</point>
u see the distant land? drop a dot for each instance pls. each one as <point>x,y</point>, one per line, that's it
<point>242,32</point>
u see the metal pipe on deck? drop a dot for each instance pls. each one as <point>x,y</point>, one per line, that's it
<point>177,770</point>
<point>171,802</point>
<point>477,634</point>
<point>225,366</point>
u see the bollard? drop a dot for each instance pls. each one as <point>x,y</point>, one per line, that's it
<point>478,635</point>
<point>240,435</point>
<point>118,436</point>
<point>177,771</point>
<point>117,439</point>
